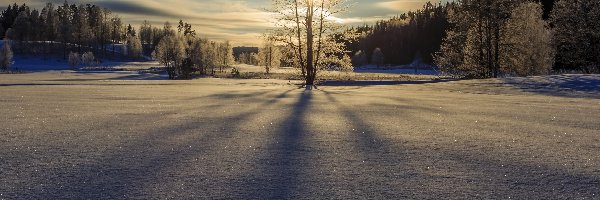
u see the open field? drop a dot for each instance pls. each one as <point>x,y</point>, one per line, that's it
<point>125,135</point>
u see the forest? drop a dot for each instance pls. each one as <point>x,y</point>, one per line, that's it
<point>86,34</point>
<point>476,39</point>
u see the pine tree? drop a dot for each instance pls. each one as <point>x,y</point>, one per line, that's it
<point>65,16</point>
<point>81,29</point>
<point>577,34</point>
<point>21,27</point>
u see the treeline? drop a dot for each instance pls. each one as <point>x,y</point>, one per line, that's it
<point>79,32</point>
<point>402,39</point>
<point>80,28</point>
<point>495,38</point>
<point>488,38</point>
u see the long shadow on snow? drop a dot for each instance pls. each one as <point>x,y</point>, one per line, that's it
<point>386,163</point>
<point>375,83</point>
<point>575,86</point>
<point>280,167</point>
<point>395,161</point>
<point>124,173</point>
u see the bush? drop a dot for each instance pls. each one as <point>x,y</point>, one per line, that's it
<point>377,57</point>
<point>74,60</point>
<point>6,56</point>
<point>235,72</point>
<point>359,59</point>
<point>88,59</point>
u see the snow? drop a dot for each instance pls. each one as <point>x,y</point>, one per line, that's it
<point>414,69</point>
<point>91,135</point>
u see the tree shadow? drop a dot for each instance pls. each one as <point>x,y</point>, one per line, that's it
<point>559,85</point>
<point>382,83</point>
<point>279,168</point>
<point>124,172</point>
<point>402,169</point>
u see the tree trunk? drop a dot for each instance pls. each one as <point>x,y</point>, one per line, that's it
<point>310,65</point>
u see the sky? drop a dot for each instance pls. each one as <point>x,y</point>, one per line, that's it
<point>240,21</point>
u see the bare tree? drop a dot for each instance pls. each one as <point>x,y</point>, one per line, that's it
<point>269,55</point>
<point>310,28</point>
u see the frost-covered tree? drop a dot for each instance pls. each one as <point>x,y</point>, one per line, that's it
<point>310,28</point>
<point>269,55</point>
<point>377,58</point>
<point>74,60</point>
<point>196,55</point>
<point>359,59</point>
<point>6,56</point>
<point>210,55</point>
<point>224,55</point>
<point>134,47</point>
<point>527,42</point>
<point>146,32</point>
<point>472,45</point>
<point>577,34</point>
<point>170,52</point>
<point>88,59</point>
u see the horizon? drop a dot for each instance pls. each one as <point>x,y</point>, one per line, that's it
<point>249,20</point>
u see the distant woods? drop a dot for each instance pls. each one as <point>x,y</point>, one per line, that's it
<point>463,38</point>
<point>488,38</point>
<point>78,32</point>
<point>411,36</point>
<point>64,28</point>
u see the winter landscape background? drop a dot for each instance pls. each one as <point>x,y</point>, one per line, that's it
<point>306,99</point>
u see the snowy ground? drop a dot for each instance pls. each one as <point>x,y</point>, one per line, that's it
<point>414,69</point>
<point>38,64</point>
<point>115,135</point>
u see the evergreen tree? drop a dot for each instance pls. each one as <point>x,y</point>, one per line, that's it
<point>577,34</point>
<point>81,28</point>
<point>65,16</point>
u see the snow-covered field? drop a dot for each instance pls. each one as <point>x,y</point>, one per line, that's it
<point>38,64</point>
<point>114,135</point>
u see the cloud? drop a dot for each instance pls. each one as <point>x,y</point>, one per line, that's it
<point>404,5</point>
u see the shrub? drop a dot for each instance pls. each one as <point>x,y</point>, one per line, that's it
<point>74,60</point>
<point>88,59</point>
<point>6,56</point>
